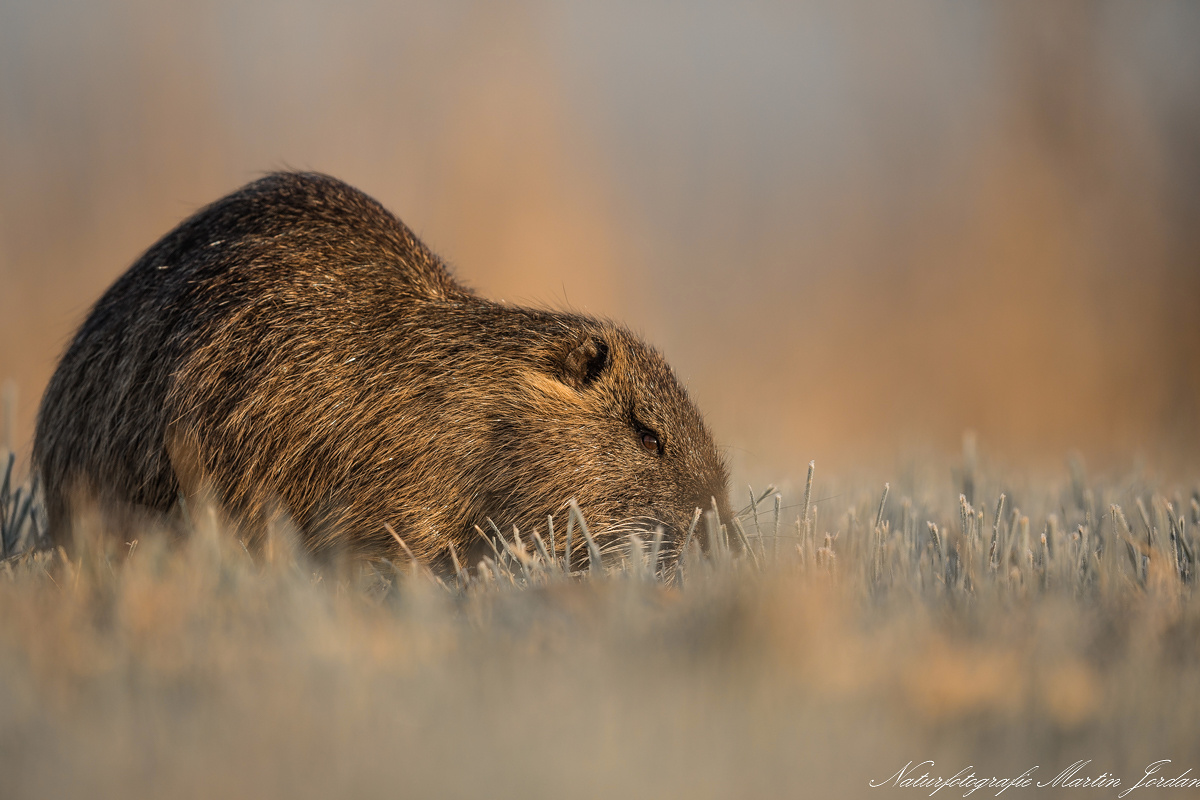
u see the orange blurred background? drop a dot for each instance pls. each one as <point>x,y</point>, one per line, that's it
<point>854,228</point>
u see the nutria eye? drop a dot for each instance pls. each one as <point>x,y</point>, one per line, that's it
<point>650,443</point>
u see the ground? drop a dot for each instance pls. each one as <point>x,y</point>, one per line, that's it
<point>845,647</point>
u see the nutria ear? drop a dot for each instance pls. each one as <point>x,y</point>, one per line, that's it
<point>586,362</point>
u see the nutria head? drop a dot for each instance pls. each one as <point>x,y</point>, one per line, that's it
<point>578,408</point>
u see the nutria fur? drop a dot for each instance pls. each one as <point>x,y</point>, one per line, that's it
<point>294,346</point>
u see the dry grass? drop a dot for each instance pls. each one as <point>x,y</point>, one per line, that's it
<point>829,654</point>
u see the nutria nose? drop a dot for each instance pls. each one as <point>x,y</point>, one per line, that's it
<point>704,504</point>
<point>721,501</point>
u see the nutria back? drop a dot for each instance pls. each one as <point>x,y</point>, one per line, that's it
<point>294,348</point>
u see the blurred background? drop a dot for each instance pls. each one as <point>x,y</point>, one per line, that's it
<point>856,229</point>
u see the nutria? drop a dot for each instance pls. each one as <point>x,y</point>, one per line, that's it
<point>294,346</point>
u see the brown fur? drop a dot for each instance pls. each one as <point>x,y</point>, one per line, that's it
<point>294,345</point>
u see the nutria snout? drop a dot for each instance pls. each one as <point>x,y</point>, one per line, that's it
<point>294,347</point>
